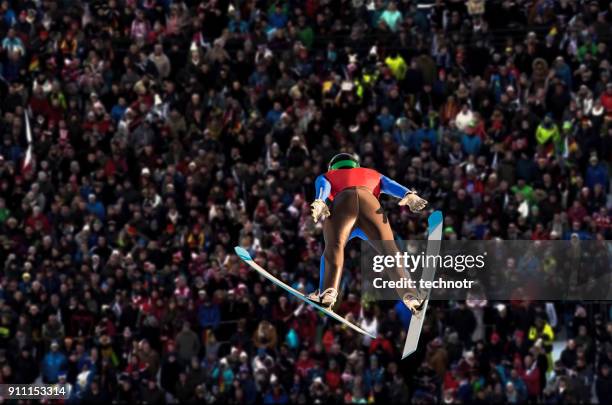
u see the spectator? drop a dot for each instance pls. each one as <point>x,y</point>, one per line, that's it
<point>208,314</point>
<point>142,140</point>
<point>597,173</point>
<point>54,363</point>
<point>391,17</point>
<point>187,343</point>
<point>603,389</point>
<point>161,61</point>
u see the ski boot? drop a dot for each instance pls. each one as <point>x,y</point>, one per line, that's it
<point>415,302</point>
<point>326,299</point>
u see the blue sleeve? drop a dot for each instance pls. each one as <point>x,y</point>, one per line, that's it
<point>322,188</point>
<point>392,187</point>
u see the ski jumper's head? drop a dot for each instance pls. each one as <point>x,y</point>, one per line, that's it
<point>343,161</point>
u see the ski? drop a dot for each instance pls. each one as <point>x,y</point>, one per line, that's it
<point>434,241</point>
<point>246,257</point>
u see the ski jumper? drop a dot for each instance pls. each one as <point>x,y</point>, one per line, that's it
<point>352,195</point>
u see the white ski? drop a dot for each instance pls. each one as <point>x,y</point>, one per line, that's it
<point>434,241</point>
<point>246,257</point>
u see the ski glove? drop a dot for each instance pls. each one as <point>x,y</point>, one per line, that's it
<point>414,202</point>
<point>319,210</point>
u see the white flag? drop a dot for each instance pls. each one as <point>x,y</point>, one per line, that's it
<point>27,162</point>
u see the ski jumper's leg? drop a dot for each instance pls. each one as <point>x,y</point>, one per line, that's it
<point>356,233</point>
<point>374,223</point>
<point>321,272</point>
<point>336,231</point>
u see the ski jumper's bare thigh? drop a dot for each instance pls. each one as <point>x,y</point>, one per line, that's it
<point>372,220</point>
<point>336,231</point>
<point>375,224</point>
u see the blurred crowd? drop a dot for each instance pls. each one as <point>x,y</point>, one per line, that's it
<point>143,139</point>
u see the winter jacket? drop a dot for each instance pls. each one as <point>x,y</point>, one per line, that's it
<point>53,364</point>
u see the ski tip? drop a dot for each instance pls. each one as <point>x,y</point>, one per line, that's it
<point>435,219</point>
<point>406,354</point>
<point>242,253</point>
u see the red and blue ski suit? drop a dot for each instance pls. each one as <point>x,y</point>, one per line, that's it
<point>352,195</point>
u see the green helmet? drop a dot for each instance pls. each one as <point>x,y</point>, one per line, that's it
<point>343,161</point>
